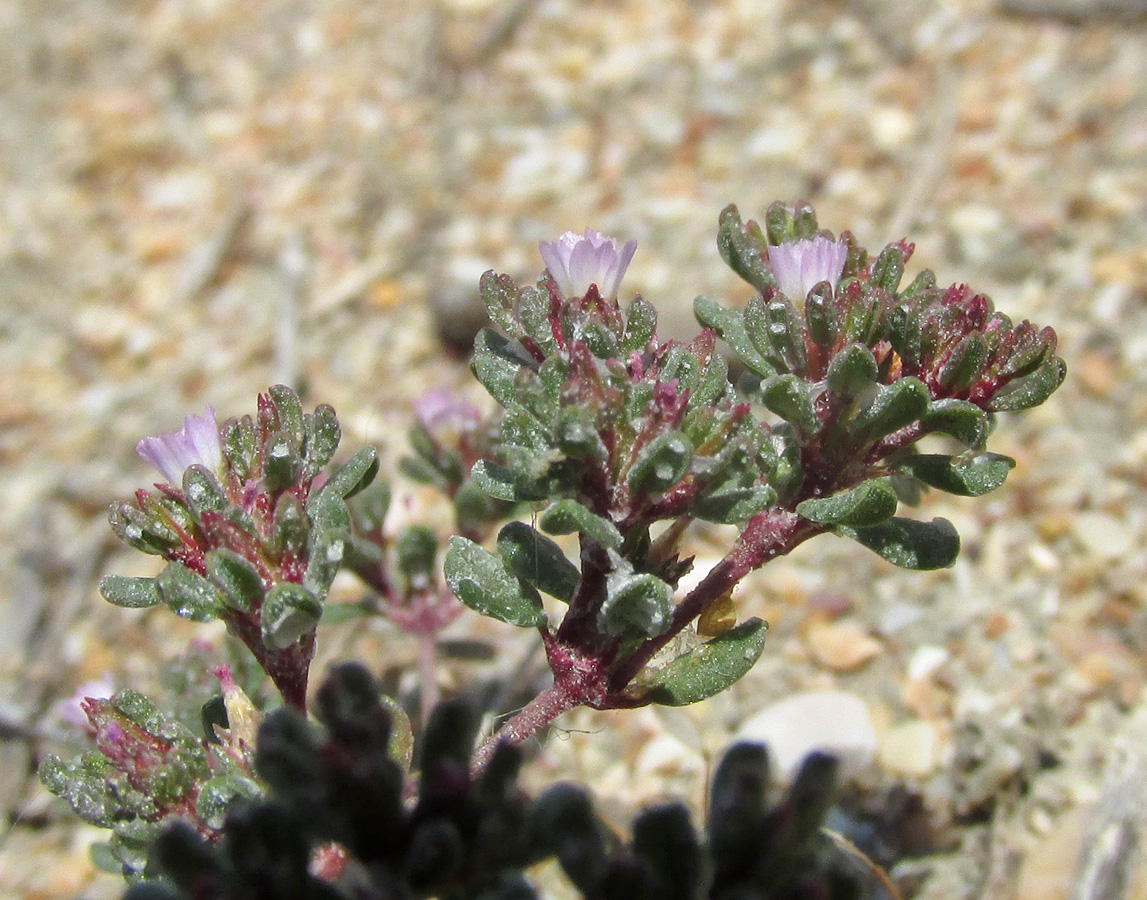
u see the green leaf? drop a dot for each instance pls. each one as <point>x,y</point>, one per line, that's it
<point>734,505</point>
<point>496,364</point>
<point>1031,390</point>
<point>353,475</point>
<point>869,503</point>
<point>852,371</point>
<point>640,603</point>
<point>537,559</point>
<point>972,478</point>
<point>640,325</point>
<point>130,593</point>
<point>400,746</point>
<point>534,312</point>
<point>498,293</point>
<point>788,396</point>
<point>322,436</point>
<point>417,553</point>
<point>820,316</point>
<point>570,517</point>
<point>713,667</point>
<point>290,412</point>
<point>730,327</point>
<point>481,580</point>
<point>326,550</point>
<point>661,463</point>
<point>501,484</point>
<point>203,492</point>
<point>282,464</point>
<point>239,580</point>
<point>965,365</point>
<point>888,268</point>
<point>218,795</point>
<point>742,252</point>
<point>189,595</point>
<point>239,445</point>
<point>911,544</point>
<point>964,421</point>
<point>100,853</point>
<point>896,406</point>
<point>289,612</point>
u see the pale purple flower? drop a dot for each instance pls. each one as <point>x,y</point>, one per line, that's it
<point>196,443</point>
<point>576,261</point>
<point>799,266</point>
<point>70,710</point>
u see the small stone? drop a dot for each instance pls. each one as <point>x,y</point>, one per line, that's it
<point>911,749</point>
<point>1103,535</point>
<point>842,646</point>
<point>926,660</point>
<point>833,722</point>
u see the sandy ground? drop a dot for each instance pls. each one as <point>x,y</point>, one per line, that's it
<point>199,198</point>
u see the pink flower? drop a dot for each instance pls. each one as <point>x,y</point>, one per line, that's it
<point>196,443</point>
<point>576,261</point>
<point>799,266</point>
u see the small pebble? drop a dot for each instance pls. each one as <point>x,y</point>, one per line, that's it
<point>834,722</point>
<point>911,749</point>
<point>842,646</point>
<point>1103,535</point>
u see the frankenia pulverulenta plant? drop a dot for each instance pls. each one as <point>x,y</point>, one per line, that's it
<point>623,440</point>
<point>604,434</point>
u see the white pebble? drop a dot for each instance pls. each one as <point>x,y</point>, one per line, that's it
<point>833,722</point>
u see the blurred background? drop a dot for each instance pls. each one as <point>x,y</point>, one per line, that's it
<point>199,198</point>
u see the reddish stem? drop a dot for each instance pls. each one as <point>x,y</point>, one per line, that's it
<point>579,680</point>
<point>767,535</point>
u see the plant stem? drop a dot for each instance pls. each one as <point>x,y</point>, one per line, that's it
<point>560,697</point>
<point>767,535</point>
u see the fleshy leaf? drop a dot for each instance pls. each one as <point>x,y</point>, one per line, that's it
<point>189,595</point>
<point>973,478</point>
<point>481,580</point>
<point>960,419</point>
<point>730,327</point>
<point>538,560</point>
<point>911,544</point>
<point>852,371</point>
<point>130,593</point>
<point>895,406</point>
<point>569,516</point>
<point>740,251</point>
<point>640,603</point>
<point>711,668</point>
<point>289,612</point>
<point>867,504</point>
<point>788,397</point>
<point>501,484</point>
<point>1031,390</point>
<point>354,475</point>
<point>239,580</point>
<point>661,463</point>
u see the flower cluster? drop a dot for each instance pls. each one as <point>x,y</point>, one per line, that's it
<point>148,771</point>
<point>253,528</point>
